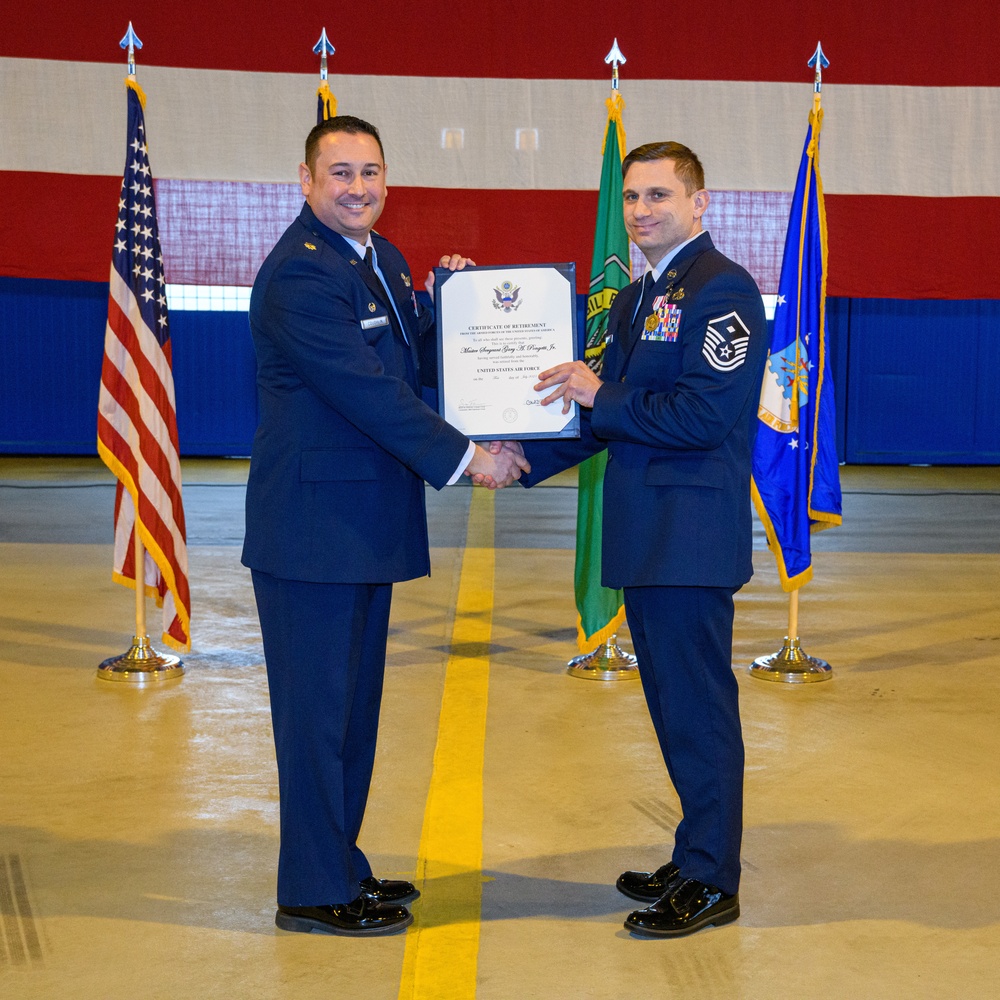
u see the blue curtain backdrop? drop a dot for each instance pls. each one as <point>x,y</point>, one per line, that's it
<point>915,381</point>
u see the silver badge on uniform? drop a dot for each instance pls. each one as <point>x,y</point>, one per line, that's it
<point>726,341</point>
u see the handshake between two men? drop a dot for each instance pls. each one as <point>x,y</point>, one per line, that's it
<point>502,463</point>
<point>325,302</point>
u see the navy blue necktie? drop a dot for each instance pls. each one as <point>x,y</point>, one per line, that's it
<point>645,304</point>
<point>393,313</point>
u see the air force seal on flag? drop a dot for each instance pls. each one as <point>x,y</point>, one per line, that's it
<point>726,342</point>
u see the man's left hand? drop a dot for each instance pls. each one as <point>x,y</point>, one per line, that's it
<point>454,262</point>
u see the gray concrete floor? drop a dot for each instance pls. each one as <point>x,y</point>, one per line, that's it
<point>138,828</point>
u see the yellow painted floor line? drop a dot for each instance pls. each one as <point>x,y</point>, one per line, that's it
<point>442,945</point>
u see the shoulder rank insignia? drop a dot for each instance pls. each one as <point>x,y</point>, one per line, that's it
<point>726,342</point>
<point>371,307</point>
<point>309,246</point>
<point>406,279</point>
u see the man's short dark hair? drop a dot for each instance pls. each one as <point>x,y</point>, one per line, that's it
<point>339,123</point>
<point>687,166</point>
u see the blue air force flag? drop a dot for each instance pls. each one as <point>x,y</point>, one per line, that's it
<point>796,481</point>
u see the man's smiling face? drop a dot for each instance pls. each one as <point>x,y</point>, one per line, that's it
<point>660,213</point>
<point>345,187</point>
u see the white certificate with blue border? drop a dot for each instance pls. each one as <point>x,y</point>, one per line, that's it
<point>497,329</point>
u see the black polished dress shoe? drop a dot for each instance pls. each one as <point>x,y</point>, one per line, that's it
<point>363,917</point>
<point>648,886</point>
<point>685,908</point>
<point>387,890</point>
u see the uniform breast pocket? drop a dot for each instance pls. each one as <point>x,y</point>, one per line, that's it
<point>655,364</point>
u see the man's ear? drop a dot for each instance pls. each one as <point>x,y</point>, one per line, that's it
<point>701,200</point>
<point>305,178</point>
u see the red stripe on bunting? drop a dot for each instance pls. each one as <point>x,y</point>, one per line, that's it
<point>57,225</point>
<point>492,227</point>
<point>889,247</point>
<point>880,246</point>
<point>868,41</point>
<point>871,236</point>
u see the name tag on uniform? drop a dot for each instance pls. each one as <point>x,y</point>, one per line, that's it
<point>370,324</point>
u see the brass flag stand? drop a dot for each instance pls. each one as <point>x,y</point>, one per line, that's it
<point>141,664</point>
<point>791,664</point>
<point>606,663</point>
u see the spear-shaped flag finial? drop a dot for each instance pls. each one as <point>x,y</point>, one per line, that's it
<point>820,62</point>
<point>615,58</point>
<point>131,42</point>
<point>323,48</point>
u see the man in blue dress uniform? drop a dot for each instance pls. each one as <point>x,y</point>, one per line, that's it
<point>335,513</point>
<point>676,407</point>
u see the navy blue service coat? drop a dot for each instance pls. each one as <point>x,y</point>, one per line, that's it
<point>678,420</point>
<point>344,444</point>
<point>677,414</point>
<point>335,515</point>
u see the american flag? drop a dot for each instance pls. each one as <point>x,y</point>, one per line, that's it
<point>137,419</point>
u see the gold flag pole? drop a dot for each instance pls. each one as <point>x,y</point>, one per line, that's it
<point>608,662</point>
<point>791,664</point>
<point>326,102</point>
<point>141,663</point>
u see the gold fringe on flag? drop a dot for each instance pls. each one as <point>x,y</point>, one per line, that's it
<point>616,105</point>
<point>601,636</point>
<point>325,95</point>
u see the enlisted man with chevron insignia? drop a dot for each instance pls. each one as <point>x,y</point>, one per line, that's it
<point>675,406</point>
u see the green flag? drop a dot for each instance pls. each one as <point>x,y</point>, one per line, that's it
<point>600,610</point>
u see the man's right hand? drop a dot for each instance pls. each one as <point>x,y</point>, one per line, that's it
<point>498,467</point>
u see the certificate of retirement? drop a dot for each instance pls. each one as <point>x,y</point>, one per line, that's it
<point>497,328</point>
